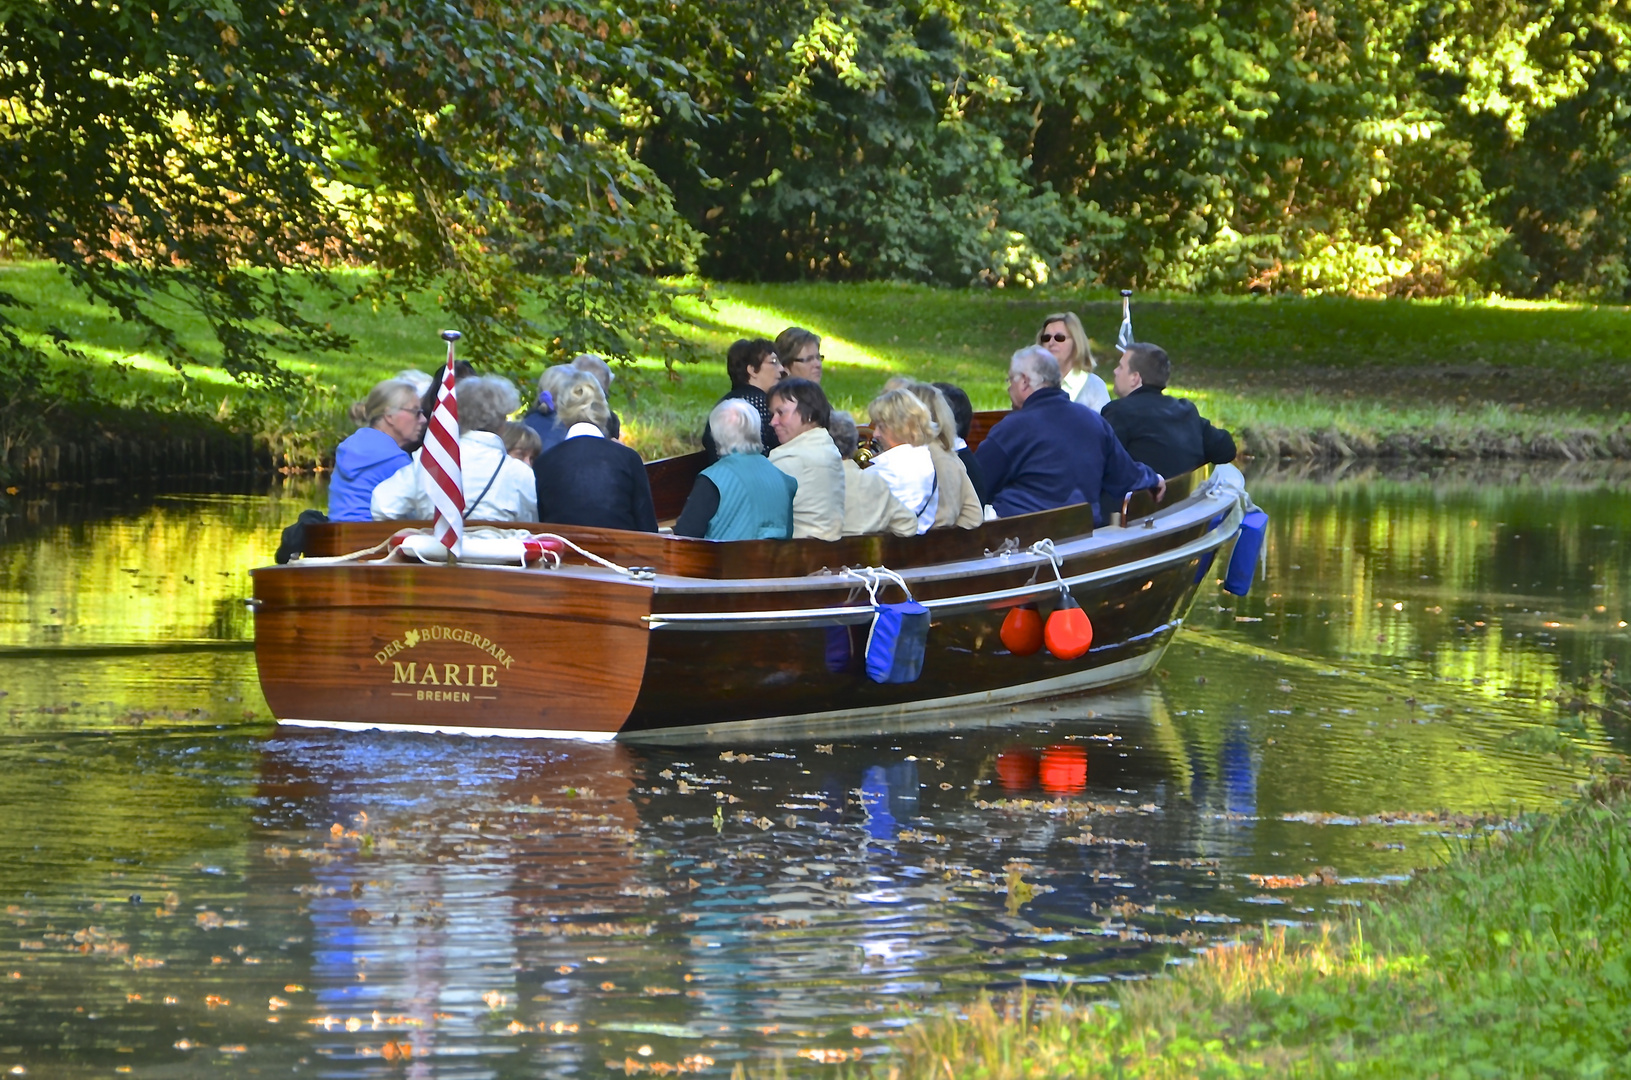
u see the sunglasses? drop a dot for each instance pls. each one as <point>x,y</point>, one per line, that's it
<point>816,359</point>
<point>1043,339</point>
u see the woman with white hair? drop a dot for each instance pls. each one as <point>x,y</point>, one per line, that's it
<point>1062,335</point>
<point>742,496</point>
<point>589,479</point>
<point>903,429</point>
<point>497,487</point>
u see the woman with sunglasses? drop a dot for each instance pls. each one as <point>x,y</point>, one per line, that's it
<point>388,421</point>
<point>1063,336</point>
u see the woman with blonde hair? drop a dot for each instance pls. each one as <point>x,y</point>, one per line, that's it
<point>1063,336</point>
<point>959,502</point>
<point>903,428</point>
<point>589,479</point>
<point>388,421</point>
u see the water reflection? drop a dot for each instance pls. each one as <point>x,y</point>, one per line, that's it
<point>185,900</point>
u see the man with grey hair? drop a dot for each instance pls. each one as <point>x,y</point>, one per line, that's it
<point>742,496</point>
<point>497,487</point>
<point>601,371</point>
<point>1051,452</point>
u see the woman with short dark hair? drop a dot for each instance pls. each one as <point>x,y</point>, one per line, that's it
<point>754,369</point>
<point>800,414</point>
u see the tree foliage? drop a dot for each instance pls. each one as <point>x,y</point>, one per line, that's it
<point>231,156</point>
<point>538,165</point>
<point>1418,148</point>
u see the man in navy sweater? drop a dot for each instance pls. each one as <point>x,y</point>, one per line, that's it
<point>1051,452</point>
<point>1166,433</point>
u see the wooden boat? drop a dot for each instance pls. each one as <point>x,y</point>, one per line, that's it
<point>689,639</point>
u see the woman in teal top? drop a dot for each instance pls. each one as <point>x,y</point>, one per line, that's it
<point>742,496</point>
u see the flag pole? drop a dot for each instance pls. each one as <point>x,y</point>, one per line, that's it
<point>1124,340</point>
<point>440,461</point>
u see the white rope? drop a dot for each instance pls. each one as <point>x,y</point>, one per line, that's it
<point>1045,549</point>
<point>637,574</point>
<point>873,578</point>
<point>328,560</point>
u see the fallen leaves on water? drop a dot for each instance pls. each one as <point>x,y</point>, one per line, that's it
<point>208,920</point>
<point>1020,892</point>
<point>1090,839</point>
<point>1325,875</point>
<point>823,748</point>
<point>215,1001</point>
<point>496,999</point>
<point>828,1056</point>
<point>642,891</point>
<point>396,1051</point>
<point>738,758</point>
<point>693,1063</point>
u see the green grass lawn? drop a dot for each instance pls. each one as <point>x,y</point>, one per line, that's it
<point>1284,371</point>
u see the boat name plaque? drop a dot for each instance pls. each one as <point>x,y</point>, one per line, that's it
<point>434,680</point>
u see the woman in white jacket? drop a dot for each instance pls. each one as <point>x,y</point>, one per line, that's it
<point>497,487</point>
<point>902,429</point>
<point>1063,336</point>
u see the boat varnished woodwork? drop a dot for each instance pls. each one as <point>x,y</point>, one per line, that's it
<point>324,645</point>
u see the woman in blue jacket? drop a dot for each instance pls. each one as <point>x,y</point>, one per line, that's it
<point>388,420</point>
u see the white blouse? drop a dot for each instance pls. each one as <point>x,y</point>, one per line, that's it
<point>909,472</point>
<point>513,496</point>
<point>1085,388</point>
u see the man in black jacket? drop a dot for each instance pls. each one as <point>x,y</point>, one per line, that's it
<point>1167,434</point>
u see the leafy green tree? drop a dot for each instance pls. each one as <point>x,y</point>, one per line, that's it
<point>233,157</point>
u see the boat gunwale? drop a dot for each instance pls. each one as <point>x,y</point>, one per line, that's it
<point>1184,514</point>
<point>794,619</point>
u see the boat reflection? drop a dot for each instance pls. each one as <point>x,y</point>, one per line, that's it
<point>576,902</point>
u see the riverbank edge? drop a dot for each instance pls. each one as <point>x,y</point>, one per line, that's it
<point>111,446</point>
<point>1513,959</point>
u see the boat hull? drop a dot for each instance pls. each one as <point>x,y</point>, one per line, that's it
<point>673,653</point>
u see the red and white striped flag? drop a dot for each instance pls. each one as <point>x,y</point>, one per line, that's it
<point>440,459</point>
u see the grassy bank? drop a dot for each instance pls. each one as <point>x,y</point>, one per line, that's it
<point>1512,961</point>
<point>1325,377</point>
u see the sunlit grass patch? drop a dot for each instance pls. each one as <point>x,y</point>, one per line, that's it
<point>1512,960</point>
<point>1305,377</point>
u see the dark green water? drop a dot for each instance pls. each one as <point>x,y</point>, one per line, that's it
<point>313,904</point>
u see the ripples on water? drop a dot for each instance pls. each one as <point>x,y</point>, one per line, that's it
<point>327,904</point>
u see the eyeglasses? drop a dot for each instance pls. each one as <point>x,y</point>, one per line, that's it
<point>1043,339</point>
<point>816,359</point>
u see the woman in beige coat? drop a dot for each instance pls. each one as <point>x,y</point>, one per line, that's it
<point>800,414</point>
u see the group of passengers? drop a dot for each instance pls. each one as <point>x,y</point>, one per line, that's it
<point>785,463</point>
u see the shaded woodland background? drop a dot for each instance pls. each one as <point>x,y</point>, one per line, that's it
<point>551,176</point>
